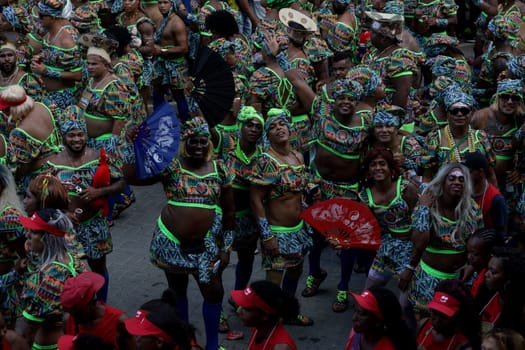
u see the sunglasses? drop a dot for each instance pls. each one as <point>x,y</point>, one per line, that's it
<point>463,110</point>
<point>511,97</point>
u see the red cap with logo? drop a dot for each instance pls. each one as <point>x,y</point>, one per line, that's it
<point>248,299</point>
<point>368,301</point>
<point>444,303</point>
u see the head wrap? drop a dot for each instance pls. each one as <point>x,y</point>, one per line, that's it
<point>453,95</point>
<point>7,46</point>
<point>344,2</point>
<point>222,46</point>
<point>85,19</point>
<point>387,24</point>
<point>442,65</point>
<point>11,17</point>
<point>275,114</point>
<point>278,4</point>
<point>510,86</point>
<point>248,113</point>
<point>51,7</point>
<point>74,119</point>
<point>195,126</point>
<point>385,118</point>
<point>394,7</point>
<point>503,28</point>
<point>516,64</point>
<point>347,87</point>
<point>438,43</point>
<point>439,85</point>
<point>366,77</point>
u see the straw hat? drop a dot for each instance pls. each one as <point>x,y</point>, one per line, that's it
<point>288,15</point>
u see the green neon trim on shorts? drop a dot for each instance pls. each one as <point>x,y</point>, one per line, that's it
<point>44,347</point>
<point>168,233</point>
<point>443,251</point>
<point>196,205</point>
<point>283,229</point>
<point>436,273</point>
<point>243,213</point>
<point>32,318</point>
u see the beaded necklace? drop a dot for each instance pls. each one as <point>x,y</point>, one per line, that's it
<point>454,147</point>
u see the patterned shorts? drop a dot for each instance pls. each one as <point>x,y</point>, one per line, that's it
<point>330,189</point>
<point>95,237</point>
<point>60,99</point>
<point>246,232</point>
<point>172,73</point>
<point>393,255</point>
<point>294,243</point>
<point>166,253</point>
<point>425,280</point>
<point>112,145</point>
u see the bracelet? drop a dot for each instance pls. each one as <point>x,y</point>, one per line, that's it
<point>264,229</point>
<point>53,74</point>
<point>227,238</point>
<point>269,238</point>
<point>282,60</point>
<point>442,22</point>
<point>410,267</point>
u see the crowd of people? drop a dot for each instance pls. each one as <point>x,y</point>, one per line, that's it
<point>372,101</point>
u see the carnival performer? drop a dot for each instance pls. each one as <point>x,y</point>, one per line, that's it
<point>43,312</point>
<point>12,239</point>
<point>392,199</point>
<point>170,49</point>
<point>76,167</point>
<point>141,28</point>
<point>241,161</point>
<point>200,190</point>
<point>457,138</point>
<point>277,182</point>
<point>453,321</point>
<point>11,73</point>
<point>339,27</point>
<point>263,305</point>
<point>377,322</point>
<point>58,60</point>
<point>446,216</point>
<point>498,300</point>
<point>88,315</point>
<point>157,327</point>
<point>434,17</point>
<point>35,137</point>
<point>406,149</point>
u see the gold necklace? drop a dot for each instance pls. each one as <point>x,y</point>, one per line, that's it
<point>455,154</point>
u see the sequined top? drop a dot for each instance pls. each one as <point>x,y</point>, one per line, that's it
<point>395,217</point>
<point>184,186</point>
<point>281,177</point>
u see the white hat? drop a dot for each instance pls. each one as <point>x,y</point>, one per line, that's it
<point>288,15</point>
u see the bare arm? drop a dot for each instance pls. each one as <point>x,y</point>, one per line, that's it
<point>402,86</point>
<point>146,30</point>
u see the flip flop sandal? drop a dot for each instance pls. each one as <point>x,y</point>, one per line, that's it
<point>235,335</point>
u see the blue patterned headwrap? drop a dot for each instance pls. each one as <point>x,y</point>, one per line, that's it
<point>503,28</point>
<point>394,7</point>
<point>347,87</point>
<point>366,77</point>
<point>195,126</point>
<point>275,114</point>
<point>442,65</point>
<point>51,7</point>
<point>10,16</point>
<point>453,95</point>
<point>248,113</point>
<point>516,64</point>
<point>74,119</point>
<point>385,118</point>
<point>345,2</point>
<point>510,86</point>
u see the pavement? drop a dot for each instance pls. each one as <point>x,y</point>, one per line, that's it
<point>134,280</point>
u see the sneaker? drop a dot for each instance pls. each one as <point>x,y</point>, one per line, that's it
<point>224,327</point>
<point>312,284</point>
<point>341,301</point>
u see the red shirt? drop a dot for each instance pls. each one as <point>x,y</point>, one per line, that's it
<point>426,341</point>
<point>105,329</point>
<point>278,336</point>
<point>383,344</point>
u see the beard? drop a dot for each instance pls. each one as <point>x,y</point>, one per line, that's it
<point>7,68</point>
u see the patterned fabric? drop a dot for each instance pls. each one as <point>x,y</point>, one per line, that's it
<point>436,155</point>
<point>227,136</point>
<point>31,85</point>
<point>413,152</point>
<point>277,114</point>
<point>516,64</point>
<point>366,77</point>
<point>503,28</point>
<point>281,178</point>
<point>208,9</point>
<point>246,231</point>
<point>51,7</point>
<point>95,237</point>
<point>183,186</point>
<point>195,127</point>
<point>305,69</point>
<point>294,243</point>
<point>41,295</point>
<point>385,118</point>
<point>439,42</point>
<point>340,36</point>
<point>59,59</point>
<point>346,87</point>
<point>166,253</point>
<point>488,72</point>
<point>437,8</point>
<point>392,256</point>
<point>316,49</point>
<point>172,72</point>
<point>107,103</point>
<point>10,287</point>
<point>59,99</point>
<point>510,86</point>
<point>272,89</point>
<point>452,96</point>
<point>85,19</point>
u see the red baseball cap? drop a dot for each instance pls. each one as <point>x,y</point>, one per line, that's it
<point>444,303</point>
<point>80,290</point>
<point>65,342</point>
<point>36,223</point>
<point>141,326</point>
<point>368,301</point>
<point>248,299</point>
